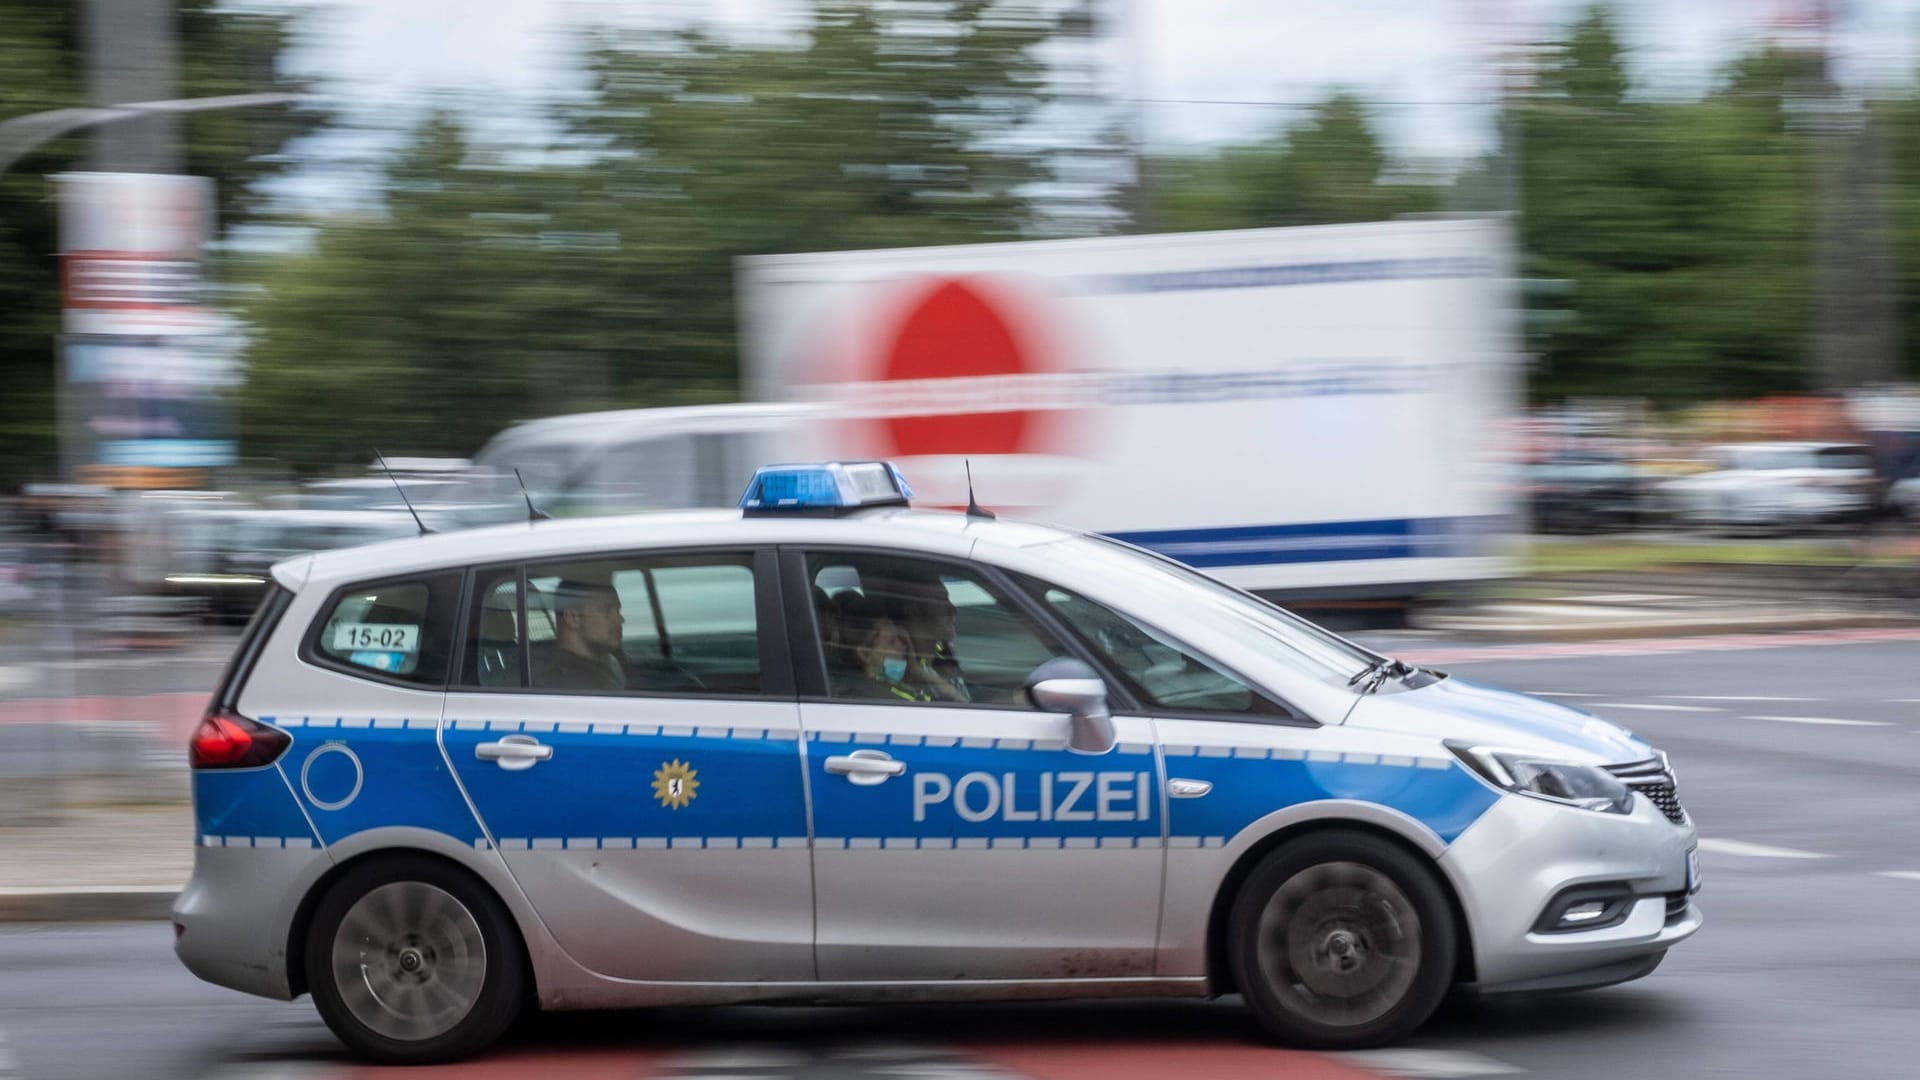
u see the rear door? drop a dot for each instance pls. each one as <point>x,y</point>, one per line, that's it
<point>647,799</point>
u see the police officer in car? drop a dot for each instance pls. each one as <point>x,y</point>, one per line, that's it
<point>587,639</point>
<point>875,655</point>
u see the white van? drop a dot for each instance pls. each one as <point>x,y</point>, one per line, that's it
<point>636,459</point>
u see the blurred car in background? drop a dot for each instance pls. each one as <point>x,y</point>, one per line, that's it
<point>631,459</point>
<point>1585,491</point>
<point>1778,485</point>
<point>1904,498</point>
<point>16,574</point>
<point>224,554</point>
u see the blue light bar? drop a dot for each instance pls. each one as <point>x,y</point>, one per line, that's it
<point>825,487</point>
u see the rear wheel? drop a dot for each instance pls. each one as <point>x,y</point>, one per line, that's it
<point>412,961</point>
<point>1341,940</point>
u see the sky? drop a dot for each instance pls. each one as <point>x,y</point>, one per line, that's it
<point>1197,72</point>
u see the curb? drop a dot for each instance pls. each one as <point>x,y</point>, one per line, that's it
<point>1467,626</point>
<point>87,903</point>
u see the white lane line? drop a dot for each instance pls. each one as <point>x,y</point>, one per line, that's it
<point>1731,697</point>
<point>1559,693</point>
<point>1827,721</point>
<point>1655,708</point>
<point>1755,851</point>
<point>1429,1064</point>
<point>275,1071</point>
<point>1903,875</point>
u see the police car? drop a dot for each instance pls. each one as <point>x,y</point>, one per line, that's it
<point>831,748</point>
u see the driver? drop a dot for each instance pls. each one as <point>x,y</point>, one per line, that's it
<point>587,639</point>
<point>926,613</point>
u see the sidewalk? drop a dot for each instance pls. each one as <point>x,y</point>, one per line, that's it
<point>94,863</point>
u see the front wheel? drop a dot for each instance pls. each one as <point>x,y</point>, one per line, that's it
<point>412,961</point>
<point>1341,940</point>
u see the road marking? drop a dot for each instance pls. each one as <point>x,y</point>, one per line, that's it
<point>1829,721</point>
<point>737,1060</point>
<point>1655,708</point>
<point>1730,697</point>
<point>275,1070</point>
<point>1559,693</point>
<point>1429,1064</point>
<point>1755,851</point>
<point>1903,875</point>
<point>1580,650</point>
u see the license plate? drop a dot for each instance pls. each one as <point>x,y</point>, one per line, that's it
<point>1693,871</point>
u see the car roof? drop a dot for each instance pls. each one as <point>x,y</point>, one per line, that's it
<point>932,531</point>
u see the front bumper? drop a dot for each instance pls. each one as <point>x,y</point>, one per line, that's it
<point>1523,852</point>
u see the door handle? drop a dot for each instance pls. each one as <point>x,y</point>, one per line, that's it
<point>865,767</point>
<point>514,751</point>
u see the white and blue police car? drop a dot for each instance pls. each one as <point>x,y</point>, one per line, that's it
<point>831,748</point>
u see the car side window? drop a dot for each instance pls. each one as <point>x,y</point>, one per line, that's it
<point>493,654</point>
<point>681,624</point>
<point>1159,671</point>
<point>916,631</point>
<point>400,629</point>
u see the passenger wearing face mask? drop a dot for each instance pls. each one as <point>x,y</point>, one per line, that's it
<point>874,655</point>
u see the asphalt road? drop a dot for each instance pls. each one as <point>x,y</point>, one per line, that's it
<point>1800,764</point>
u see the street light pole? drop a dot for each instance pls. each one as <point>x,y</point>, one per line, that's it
<point>20,135</point>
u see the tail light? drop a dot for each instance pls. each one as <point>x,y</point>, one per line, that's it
<point>227,740</point>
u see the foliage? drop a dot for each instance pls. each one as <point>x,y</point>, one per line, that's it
<point>1330,169</point>
<point>1683,228</point>
<point>487,294</point>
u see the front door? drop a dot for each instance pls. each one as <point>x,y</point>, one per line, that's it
<point>955,836</point>
<point>626,732</point>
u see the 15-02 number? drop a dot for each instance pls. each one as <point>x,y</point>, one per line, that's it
<point>396,637</point>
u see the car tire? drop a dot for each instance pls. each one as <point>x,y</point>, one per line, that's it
<point>1341,941</point>
<point>412,961</point>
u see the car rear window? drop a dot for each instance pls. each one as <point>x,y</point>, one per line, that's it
<point>400,630</point>
<point>259,628</point>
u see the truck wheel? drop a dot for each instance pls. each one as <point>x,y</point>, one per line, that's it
<point>1341,940</point>
<point>411,961</point>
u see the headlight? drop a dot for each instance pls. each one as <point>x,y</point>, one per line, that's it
<point>1586,786</point>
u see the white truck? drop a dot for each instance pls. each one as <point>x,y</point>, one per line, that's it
<point>1303,411</point>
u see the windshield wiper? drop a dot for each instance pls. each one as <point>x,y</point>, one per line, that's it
<point>1380,671</point>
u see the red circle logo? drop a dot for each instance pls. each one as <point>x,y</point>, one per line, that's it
<point>952,332</point>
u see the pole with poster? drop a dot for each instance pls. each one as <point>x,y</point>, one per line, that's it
<point>143,361</point>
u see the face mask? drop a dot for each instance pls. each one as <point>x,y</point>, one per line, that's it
<point>894,668</point>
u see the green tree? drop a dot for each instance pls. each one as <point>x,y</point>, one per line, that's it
<point>425,328</point>
<point>894,125</point>
<point>486,294</point>
<point>1332,168</point>
<point>1681,226</point>
<point>222,51</point>
<point>1899,120</point>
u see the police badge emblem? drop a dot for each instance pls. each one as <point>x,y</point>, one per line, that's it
<point>674,784</point>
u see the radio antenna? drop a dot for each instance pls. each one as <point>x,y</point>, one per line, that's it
<point>532,514</point>
<point>408,503</point>
<point>974,509</point>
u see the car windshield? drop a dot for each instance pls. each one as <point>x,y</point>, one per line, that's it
<point>1325,655</point>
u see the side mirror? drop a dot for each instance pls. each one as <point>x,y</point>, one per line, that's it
<point>1066,685</point>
